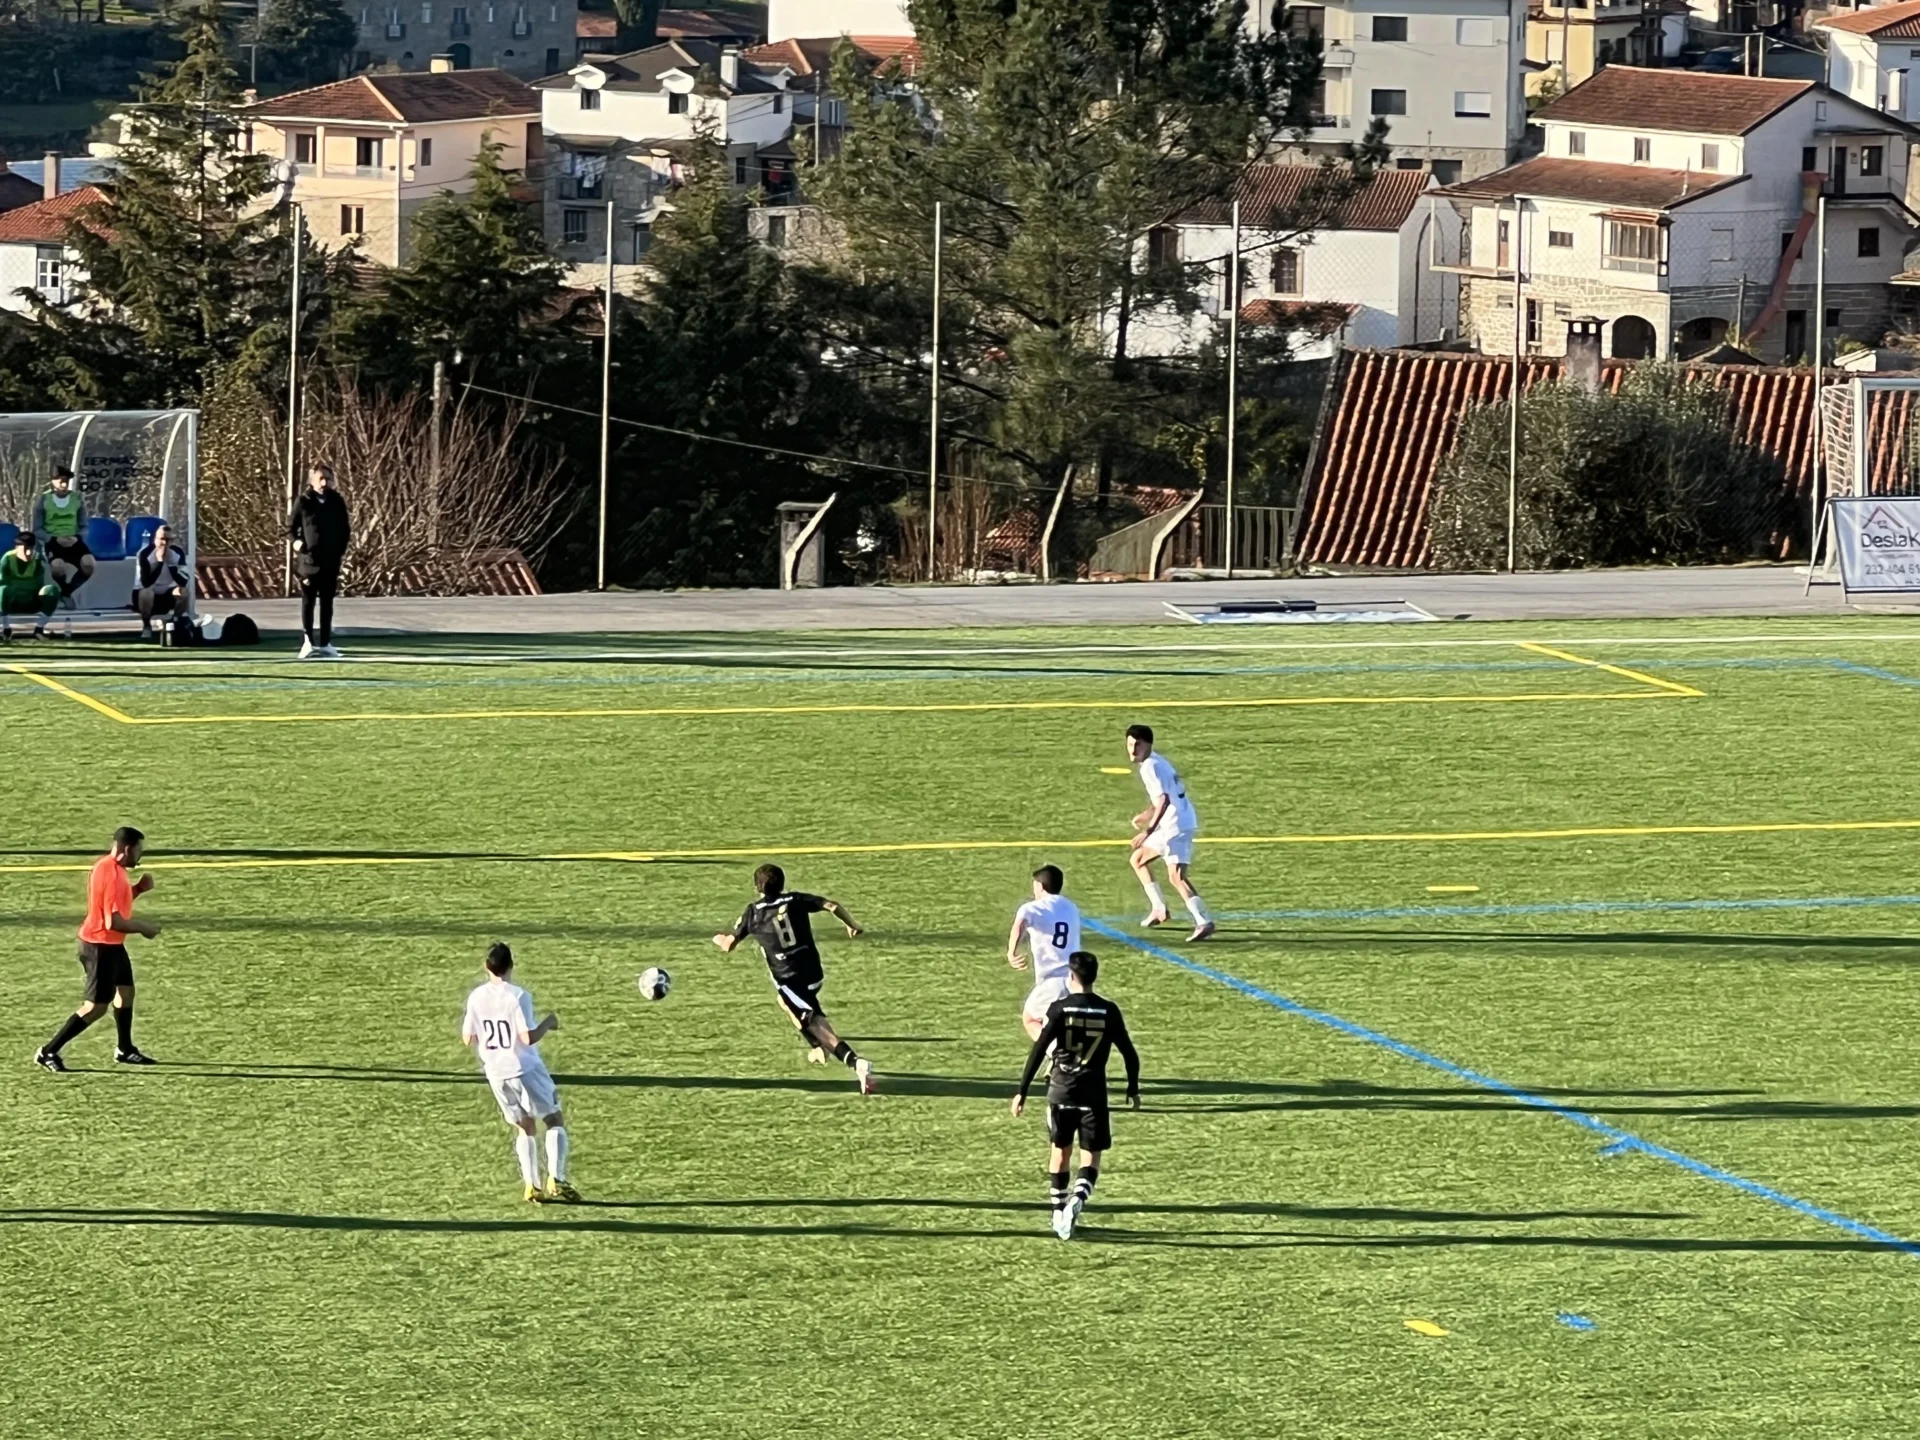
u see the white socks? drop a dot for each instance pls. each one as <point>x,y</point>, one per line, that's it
<point>557,1153</point>
<point>528,1149</point>
<point>1156,902</point>
<point>1197,909</point>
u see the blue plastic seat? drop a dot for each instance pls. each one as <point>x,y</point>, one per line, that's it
<point>140,532</point>
<point>8,534</point>
<point>103,538</point>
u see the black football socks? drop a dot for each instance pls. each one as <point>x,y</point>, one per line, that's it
<point>76,1023</point>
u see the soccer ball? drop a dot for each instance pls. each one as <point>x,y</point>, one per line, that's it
<point>655,982</point>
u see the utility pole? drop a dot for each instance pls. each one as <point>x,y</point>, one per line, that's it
<point>1233,374</point>
<point>1513,398</point>
<point>606,401</point>
<point>933,426</point>
<point>293,386</point>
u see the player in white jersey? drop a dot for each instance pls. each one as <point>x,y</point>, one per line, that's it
<point>1165,829</point>
<point>500,1022</point>
<point>1051,924</point>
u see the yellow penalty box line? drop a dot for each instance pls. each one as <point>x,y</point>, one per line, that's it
<point>630,857</point>
<point>1656,689</point>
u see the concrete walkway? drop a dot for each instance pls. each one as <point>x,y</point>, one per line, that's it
<point>1565,595</point>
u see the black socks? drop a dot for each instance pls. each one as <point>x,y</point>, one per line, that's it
<point>1083,1187</point>
<point>1057,1189</point>
<point>123,1026</point>
<point>843,1052</point>
<point>76,1023</point>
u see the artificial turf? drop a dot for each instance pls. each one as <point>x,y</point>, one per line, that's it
<point>306,1221</point>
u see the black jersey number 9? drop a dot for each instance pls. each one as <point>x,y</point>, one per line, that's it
<point>497,1034</point>
<point>1060,932</point>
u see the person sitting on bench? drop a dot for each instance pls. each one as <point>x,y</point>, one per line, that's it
<point>60,527</point>
<point>161,580</point>
<point>25,586</point>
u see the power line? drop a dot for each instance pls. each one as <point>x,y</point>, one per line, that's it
<point>743,444</point>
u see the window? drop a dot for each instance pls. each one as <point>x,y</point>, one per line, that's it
<point>426,12</point>
<point>425,156</point>
<point>1632,246</point>
<point>589,99</point>
<point>1230,292</point>
<point>490,14</point>
<point>1559,239</point>
<point>1709,157</point>
<point>1833,317</point>
<point>1642,149</point>
<point>1408,162</point>
<point>1163,246</point>
<point>1576,142</point>
<point>1502,240</point>
<point>303,149</point>
<point>1286,271</point>
<point>1389,102</point>
<point>553,14</point>
<point>1389,27</point>
<point>353,220</point>
<point>1472,104</point>
<point>1447,172</point>
<point>776,231</point>
<point>1809,157</point>
<point>49,274</point>
<point>1473,31</point>
<point>676,102</point>
<point>573,227</point>
<point>1869,241</point>
<point>366,153</point>
<point>1720,244</point>
<point>1873,159</point>
<point>1306,22</point>
<point>1317,103</point>
<point>739,169</point>
<point>363,17</point>
<point>779,104</point>
<point>460,19</point>
<point>1819,109</point>
<point>1533,322</point>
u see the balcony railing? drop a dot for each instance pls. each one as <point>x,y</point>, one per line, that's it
<point>522,29</point>
<point>460,29</point>
<point>369,172</point>
<point>396,31</point>
<point>1337,57</point>
<point>1633,263</point>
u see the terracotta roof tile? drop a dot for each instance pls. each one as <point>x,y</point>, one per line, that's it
<point>416,97</point>
<point>595,25</point>
<point>1270,195</point>
<point>1883,22</point>
<point>805,57</point>
<point>45,222</point>
<point>1684,100</point>
<point>1595,182</point>
<point>1394,416</point>
<point>1319,317</point>
<point>703,25</point>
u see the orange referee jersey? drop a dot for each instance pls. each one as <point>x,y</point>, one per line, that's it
<point>109,892</point>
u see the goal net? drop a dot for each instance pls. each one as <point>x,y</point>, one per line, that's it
<point>132,467</point>
<point>1869,445</point>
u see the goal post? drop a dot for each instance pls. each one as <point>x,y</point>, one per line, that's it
<point>1868,450</point>
<point>128,465</point>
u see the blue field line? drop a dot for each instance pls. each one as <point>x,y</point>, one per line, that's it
<point>1622,1138</point>
<point>1580,907</point>
<point>1874,671</point>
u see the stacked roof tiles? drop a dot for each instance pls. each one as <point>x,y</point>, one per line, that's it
<point>1393,416</point>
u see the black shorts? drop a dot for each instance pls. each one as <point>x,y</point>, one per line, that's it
<point>107,968</point>
<point>800,998</point>
<point>70,548</point>
<point>1093,1127</point>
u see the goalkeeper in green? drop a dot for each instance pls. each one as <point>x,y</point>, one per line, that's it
<point>26,585</point>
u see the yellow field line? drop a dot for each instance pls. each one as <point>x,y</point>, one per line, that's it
<point>72,694</point>
<point>1668,685</point>
<point>1584,832</point>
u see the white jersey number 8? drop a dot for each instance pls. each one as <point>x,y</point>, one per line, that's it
<point>1060,932</point>
<point>783,930</point>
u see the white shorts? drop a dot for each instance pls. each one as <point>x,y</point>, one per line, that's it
<point>530,1095</point>
<point>1043,994</point>
<point>1173,846</point>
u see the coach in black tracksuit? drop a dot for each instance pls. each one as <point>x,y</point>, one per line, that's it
<point>320,533</point>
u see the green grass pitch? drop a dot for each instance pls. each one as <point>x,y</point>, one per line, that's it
<point>306,1220</point>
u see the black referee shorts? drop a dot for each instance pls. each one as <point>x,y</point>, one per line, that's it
<point>1093,1127</point>
<point>107,968</point>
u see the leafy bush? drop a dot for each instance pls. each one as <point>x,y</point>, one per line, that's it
<point>1654,472</point>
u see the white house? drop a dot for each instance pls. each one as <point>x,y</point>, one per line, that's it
<point>1362,277</point>
<point>1679,208</point>
<point>34,253</point>
<point>1448,76</point>
<point>1872,55</point>
<point>620,128</point>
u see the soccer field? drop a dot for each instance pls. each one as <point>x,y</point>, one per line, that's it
<point>1552,1073</point>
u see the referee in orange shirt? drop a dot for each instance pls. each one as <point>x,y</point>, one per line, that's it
<point>103,952</point>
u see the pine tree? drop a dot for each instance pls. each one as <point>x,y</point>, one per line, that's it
<point>306,39</point>
<point>186,266</point>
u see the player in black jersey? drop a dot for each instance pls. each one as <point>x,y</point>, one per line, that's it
<point>1082,1028</point>
<point>778,920</point>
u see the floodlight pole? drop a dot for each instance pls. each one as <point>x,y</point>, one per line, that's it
<point>1233,373</point>
<point>606,401</point>
<point>293,387</point>
<point>1513,399</point>
<point>933,421</point>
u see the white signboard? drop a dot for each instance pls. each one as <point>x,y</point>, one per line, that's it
<point>1879,544</point>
